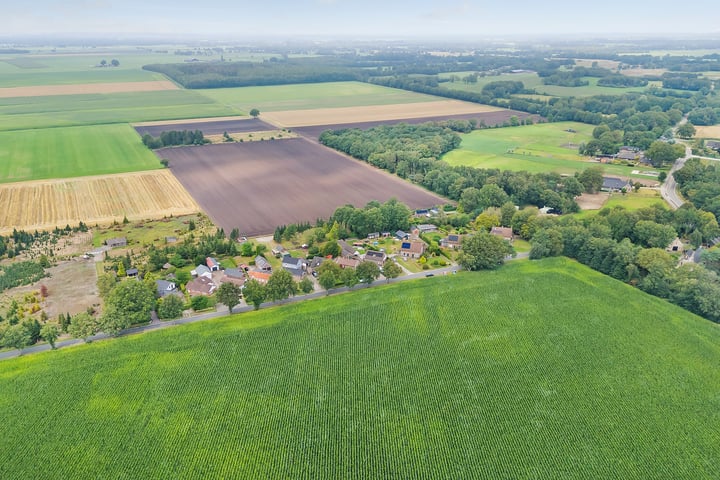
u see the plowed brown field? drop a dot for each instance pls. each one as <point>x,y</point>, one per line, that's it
<point>88,88</point>
<point>372,113</point>
<point>46,204</point>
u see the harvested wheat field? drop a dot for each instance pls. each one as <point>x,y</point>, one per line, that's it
<point>373,113</point>
<point>46,204</point>
<point>707,132</point>
<point>87,88</point>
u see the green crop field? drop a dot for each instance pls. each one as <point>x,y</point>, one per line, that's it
<point>66,110</point>
<point>532,80</point>
<point>72,152</point>
<point>538,370</point>
<point>312,95</point>
<point>536,148</point>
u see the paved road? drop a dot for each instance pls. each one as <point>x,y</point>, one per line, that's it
<point>668,189</point>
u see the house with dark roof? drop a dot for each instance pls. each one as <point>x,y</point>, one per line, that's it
<point>714,144</point>
<point>165,288</point>
<point>201,286</point>
<point>262,264</point>
<point>611,184</point>
<point>233,275</point>
<point>412,249</point>
<point>347,249</point>
<point>377,258</point>
<point>453,241</point>
<point>425,228</point>
<point>212,264</point>
<point>296,266</point>
<point>116,242</point>
<point>400,235</point>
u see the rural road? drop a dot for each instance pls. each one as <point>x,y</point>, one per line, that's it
<point>206,316</point>
<point>668,189</point>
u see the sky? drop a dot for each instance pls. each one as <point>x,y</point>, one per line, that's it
<point>360,18</point>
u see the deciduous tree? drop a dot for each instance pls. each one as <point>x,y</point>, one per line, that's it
<point>254,293</point>
<point>391,269</point>
<point>483,251</point>
<point>170,306</point>
<point>50,333</point>
<point>229,295</point>
<point>83,325</point>
<point>368,272</point>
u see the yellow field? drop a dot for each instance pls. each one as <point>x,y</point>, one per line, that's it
<point>43,205</point>
<point>373,113</point>
<point>707,132</point>
<point>89,88</point>
<point>641,72</point>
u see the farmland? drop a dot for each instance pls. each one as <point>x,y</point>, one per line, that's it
<point>309,96</point>
<point>66,110</point>
<point>257,186</point>
<point>72,152</point>
<point>533,81</point>
<point>86,88</point>
<point>707,132</point>
<point>43,205</point>
<point>543,375</point>
<point>533,148</point>
<point>375,113</point>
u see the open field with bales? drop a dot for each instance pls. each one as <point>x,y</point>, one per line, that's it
<point>546,147</point>
<point>72,152</point>
<point>310,96</point>
<point>43,205</point>
<point>375,113</point>
<point>256,186</point>
<point>533,371</point>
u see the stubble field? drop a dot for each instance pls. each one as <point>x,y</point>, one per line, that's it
<point>712,131</point>
<point>257,186</point>
<point>43,205</point>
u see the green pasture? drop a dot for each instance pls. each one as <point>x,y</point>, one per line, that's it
<point>532,80</point>
<point>66,110</point>
<point>312,95</point>
<point>72,152</point>
<point>544,147</point>
<point>643,198</point>
<point>539,370</point>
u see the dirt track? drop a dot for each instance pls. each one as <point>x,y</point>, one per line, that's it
<point>86,88</point>
<point>259,185</point>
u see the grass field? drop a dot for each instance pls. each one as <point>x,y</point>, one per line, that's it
<point>534,148</point>
<point>72,152</point>
<point>712,131</point>
<point>67,110</point>
<point>311,96</point>
<point>539,370</point>
<point>643,198</point>
<point>531,80</point>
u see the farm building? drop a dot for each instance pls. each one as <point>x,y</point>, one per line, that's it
<point>116,242</point>
<point>424,228</point>
<point>201,271</point>
<point>233,275</point>
<point>504,232</point>
<point>675,246</point>
<point>412,249</point>
<point>373,235</point>
<point>262,264</point>
<point>212,264</point>
<point>201,286</point>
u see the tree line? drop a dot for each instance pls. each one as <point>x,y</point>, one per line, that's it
<point>173,138</point>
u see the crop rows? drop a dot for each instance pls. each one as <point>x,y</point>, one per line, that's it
<point>518,374</point>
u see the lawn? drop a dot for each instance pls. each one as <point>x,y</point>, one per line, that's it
<point>66,110</point>
<point>534,148</point>
<point>643,198</point>
<point>312,95</point>
<point>538,370</point>
<point>72,152</point>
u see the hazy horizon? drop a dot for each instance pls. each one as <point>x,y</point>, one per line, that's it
<point>367,19</point>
